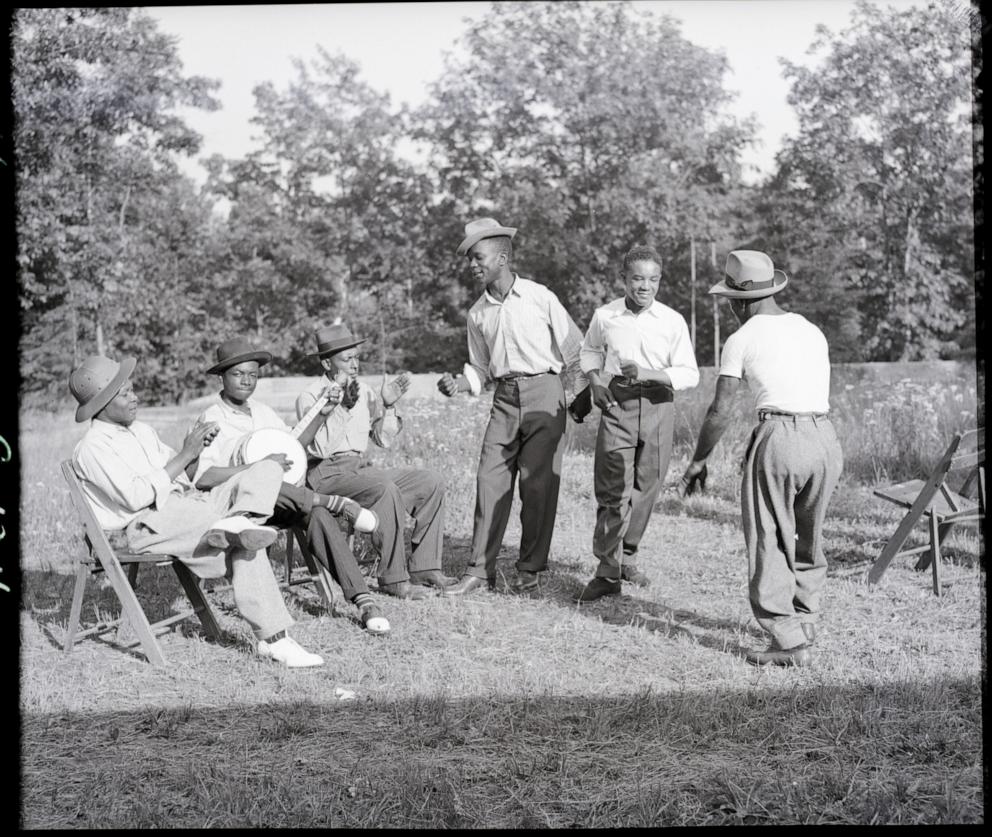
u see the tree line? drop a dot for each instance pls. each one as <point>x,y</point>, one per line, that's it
<point>589,126</point>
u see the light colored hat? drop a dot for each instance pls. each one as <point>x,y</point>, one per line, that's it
<point>750,275</point>
<point>96,381</point>
<point>333,339</point>
<point>237,350</point>
<point>483,228</point>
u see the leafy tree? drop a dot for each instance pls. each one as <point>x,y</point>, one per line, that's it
<point>95,93</point>
<point>591,127</point>
<point>871,204</point>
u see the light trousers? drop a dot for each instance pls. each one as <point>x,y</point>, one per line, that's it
<point>791,468</point>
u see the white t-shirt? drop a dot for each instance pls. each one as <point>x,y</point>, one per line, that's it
<point>785,360</point>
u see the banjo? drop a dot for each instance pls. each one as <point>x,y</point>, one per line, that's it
<point>258,444</point>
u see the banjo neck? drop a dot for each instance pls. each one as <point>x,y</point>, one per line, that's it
<point>308,417</point>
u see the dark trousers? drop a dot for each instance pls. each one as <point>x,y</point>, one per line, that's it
<point>326,541</point>
<point>391,493</point>
<point>633,449</point>
<point>524,435</point>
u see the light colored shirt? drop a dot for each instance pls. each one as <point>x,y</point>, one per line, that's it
<point>122,471</point>
<point>344,430</point>
<point>527,333</point>
<point>657,338</point>
<point>234,425</point>
<point>785,360</point>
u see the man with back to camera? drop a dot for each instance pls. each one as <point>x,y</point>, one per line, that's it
<point>793,459</point>
<point>521,337</point>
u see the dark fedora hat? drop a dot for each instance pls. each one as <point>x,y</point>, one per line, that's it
<point>333,339</point>
<point>237,350</point>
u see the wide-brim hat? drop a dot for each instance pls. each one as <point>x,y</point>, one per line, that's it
<point>333,339</point>
<point>235,351</point>
<point>750,275</point>
<point>483,228</point>
<point>96,381</point>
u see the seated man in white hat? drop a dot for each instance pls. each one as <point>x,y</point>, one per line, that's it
<point>236,415</point>
<point>793,459</point>
<point>338,465</point>
<point>136,483</point>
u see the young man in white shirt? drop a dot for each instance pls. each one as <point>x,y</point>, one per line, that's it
<point>793,459</point>
<point>236,415</point>
<point>136,483</point>
<point>521,337</point>
<point>637,354</point>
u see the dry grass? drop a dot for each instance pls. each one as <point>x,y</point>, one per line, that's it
<point>496,710</point>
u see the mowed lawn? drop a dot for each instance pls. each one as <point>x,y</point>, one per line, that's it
<point>495,710</point>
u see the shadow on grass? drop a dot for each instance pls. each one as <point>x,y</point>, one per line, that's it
<point>801,754</point>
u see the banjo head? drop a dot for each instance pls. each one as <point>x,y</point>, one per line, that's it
<point>258,444</point>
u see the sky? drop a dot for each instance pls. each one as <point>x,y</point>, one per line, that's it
<point>400,46</point>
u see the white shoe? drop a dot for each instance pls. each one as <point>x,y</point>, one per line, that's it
<point>288,652</point>
<point>240,532</point>
<point>373,621</point>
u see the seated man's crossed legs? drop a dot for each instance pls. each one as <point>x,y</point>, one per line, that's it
<point>392,493</point>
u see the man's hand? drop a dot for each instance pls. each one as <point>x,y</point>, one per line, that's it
<point>199,437</point>
<point>282,459</point>
<point>602,397</point>
<point>392,391</point>
<point>630,370</point>
<point>447,384</point>
<point>694,479</point>
<point>334,393</point>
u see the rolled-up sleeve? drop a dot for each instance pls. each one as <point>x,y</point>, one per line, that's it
<point>568,337</point>
<point>476,371</point>
<point>683,371</point>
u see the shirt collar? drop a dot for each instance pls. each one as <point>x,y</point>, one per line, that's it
<point>108,428</point>
<point>514,291</point>
<point>654,308</point>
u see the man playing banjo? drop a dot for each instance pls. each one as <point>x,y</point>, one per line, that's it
<point>338,464</point>
<point>241,420</point>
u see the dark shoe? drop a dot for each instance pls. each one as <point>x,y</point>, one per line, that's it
<point>597,588</point>
<point>432,578</point>
<point>634,576</point>
<point>403,590</point>
<point>525,582</point>
<point>467,584</point>
<point>798,656</point>
<point>810,630</point>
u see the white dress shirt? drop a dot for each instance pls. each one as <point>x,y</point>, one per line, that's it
<point>122,471</point>
<point>344,430</point>
<point>527,333</point>
<point>234,425</point>
<point>656,338</point>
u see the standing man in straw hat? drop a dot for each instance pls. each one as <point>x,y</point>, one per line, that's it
<point>236,415</point>
<point>136,483</point>
<point>338,465</point>
<point>521,337</point>
<point>793,458</point>
<point>636,354</point>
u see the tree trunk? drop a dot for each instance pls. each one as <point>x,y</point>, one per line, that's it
<point>716,311</point>
<point>692,290</point>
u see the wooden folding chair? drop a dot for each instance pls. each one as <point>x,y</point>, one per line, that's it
<point>101,557</point>
<point>934,499</point>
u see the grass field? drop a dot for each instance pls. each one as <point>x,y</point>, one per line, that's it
<point>502,711</point>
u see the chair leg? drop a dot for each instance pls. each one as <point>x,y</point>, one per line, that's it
<point>288,555</point>
<point>891,549</point>
<point>935,553</point>
<point>132,611</point>
<point>82,574</point>
<point>194,592</point>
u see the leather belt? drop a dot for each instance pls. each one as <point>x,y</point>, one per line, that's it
<point>514,376</point>
<point>775,415</point>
